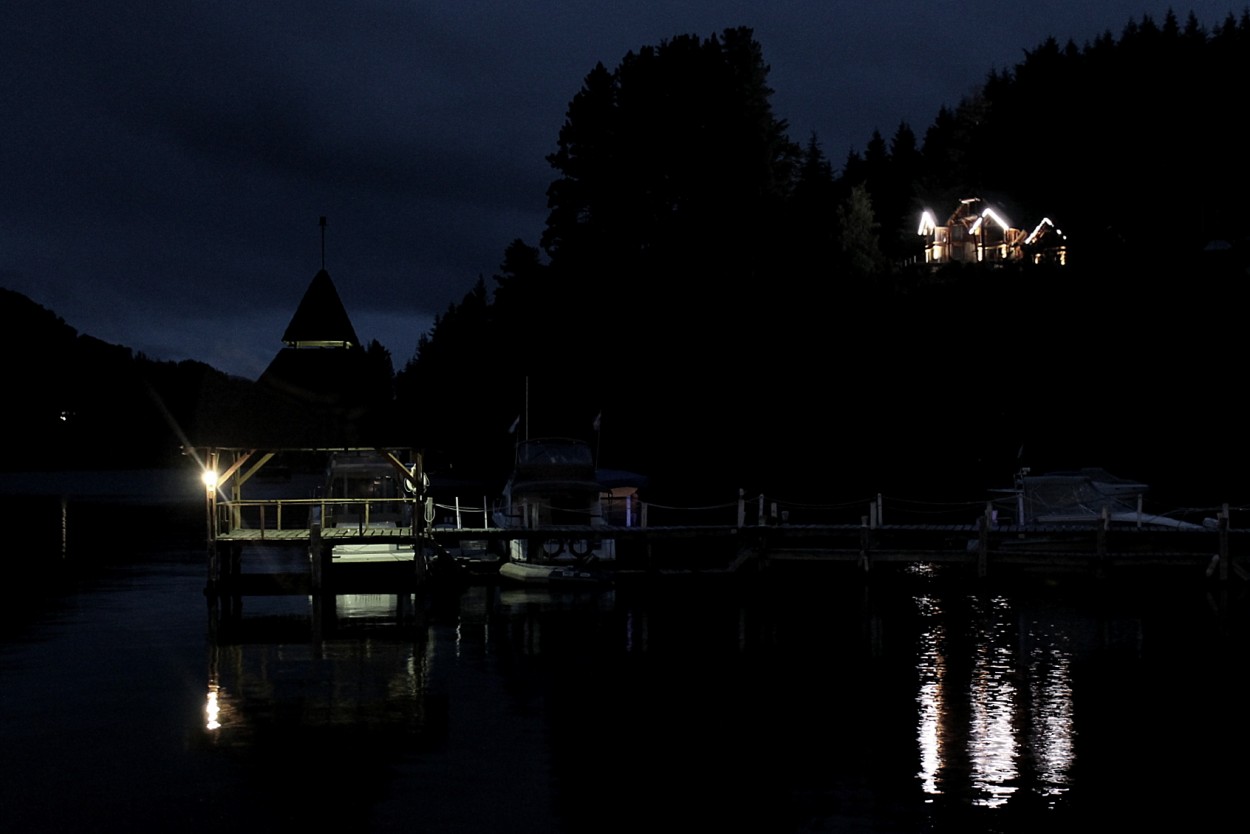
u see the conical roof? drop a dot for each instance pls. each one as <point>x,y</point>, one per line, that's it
<point>320,320</point>
<point>322,362</point>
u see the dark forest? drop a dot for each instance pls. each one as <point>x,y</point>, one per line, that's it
<point>735,309</point>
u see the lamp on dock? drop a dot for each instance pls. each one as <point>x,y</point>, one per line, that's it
<point>210,479</point>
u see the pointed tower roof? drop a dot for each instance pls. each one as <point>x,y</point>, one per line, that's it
<point>322,362</point>
<point>320,320</point>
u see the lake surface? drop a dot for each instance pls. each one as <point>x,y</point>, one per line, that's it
<point>130,702</point>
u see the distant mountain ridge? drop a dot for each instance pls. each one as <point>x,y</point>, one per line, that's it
<point>82,403</point>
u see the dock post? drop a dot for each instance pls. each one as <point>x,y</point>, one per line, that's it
<point>418,563</point>
<point>317,564</point>
<point>983,541</point>
<point>214,567</point>
<point>1101,542</point>
<point>210,536</point>
<point>234,566</point>
<point>1224,558</point>
<point>742,508</point>
<point>418,551</point>
<point>864,544</point>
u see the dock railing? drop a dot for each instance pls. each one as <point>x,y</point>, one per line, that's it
<point>871,530</point>
<point>284,514</point>
<point>458,516</point>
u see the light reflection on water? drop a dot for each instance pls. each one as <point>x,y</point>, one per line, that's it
<point>912,706</point>
<point>1013,702</point>
<point>357,660</point>
<point>992,741</point>
<point>1052,738</point>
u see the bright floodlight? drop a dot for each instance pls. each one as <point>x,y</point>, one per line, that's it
<point>210,479</point>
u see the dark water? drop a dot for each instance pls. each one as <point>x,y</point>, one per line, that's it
<point>908,704</point>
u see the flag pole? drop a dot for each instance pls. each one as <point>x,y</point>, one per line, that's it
<point>598,437</point>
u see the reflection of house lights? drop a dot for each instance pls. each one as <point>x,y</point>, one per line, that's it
<point>993,747</point>
<point>930,699</point>
<point>995,733</point>
<point>931,709</point>
<point>1052,745</point>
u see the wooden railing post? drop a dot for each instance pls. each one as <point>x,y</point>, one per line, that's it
<point>983,541</point>
<point>318,554</point>
<point>1224,555</point>
<point>865,543</point>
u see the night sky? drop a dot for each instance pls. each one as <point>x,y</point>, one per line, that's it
<point>164,163</point>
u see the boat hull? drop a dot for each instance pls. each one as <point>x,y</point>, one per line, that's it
<point>535,573</point>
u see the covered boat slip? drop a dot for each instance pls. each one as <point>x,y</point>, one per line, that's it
<point>353,506</point>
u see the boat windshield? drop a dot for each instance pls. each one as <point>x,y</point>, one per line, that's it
<point>364,486</point>
<point>554,452</point>
<point>361,475</point>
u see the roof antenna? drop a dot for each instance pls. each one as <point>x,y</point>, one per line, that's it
<point>323,242</point>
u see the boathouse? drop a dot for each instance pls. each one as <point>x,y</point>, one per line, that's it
<point>323,398</point>
<point>322,370</point>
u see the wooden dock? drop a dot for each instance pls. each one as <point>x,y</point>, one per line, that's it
<point>656,553</point>
<point>731,541</point>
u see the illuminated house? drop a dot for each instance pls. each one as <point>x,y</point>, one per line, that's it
<point>977,233</point>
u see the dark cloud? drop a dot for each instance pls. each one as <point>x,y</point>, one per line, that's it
<point>165,163</point>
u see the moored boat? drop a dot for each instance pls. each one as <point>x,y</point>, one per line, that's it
<point>544,573</point>
<point>555,496</point>
<point>1067,511</point>
<point>1086,497</point>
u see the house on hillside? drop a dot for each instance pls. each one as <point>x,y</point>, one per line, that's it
<point>976,232</point>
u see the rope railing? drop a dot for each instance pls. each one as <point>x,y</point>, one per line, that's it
<point>458,513</point>
<point>759,510</point>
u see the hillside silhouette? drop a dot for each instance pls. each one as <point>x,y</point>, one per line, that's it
<point>734,310</point>
<point>742,315</point>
